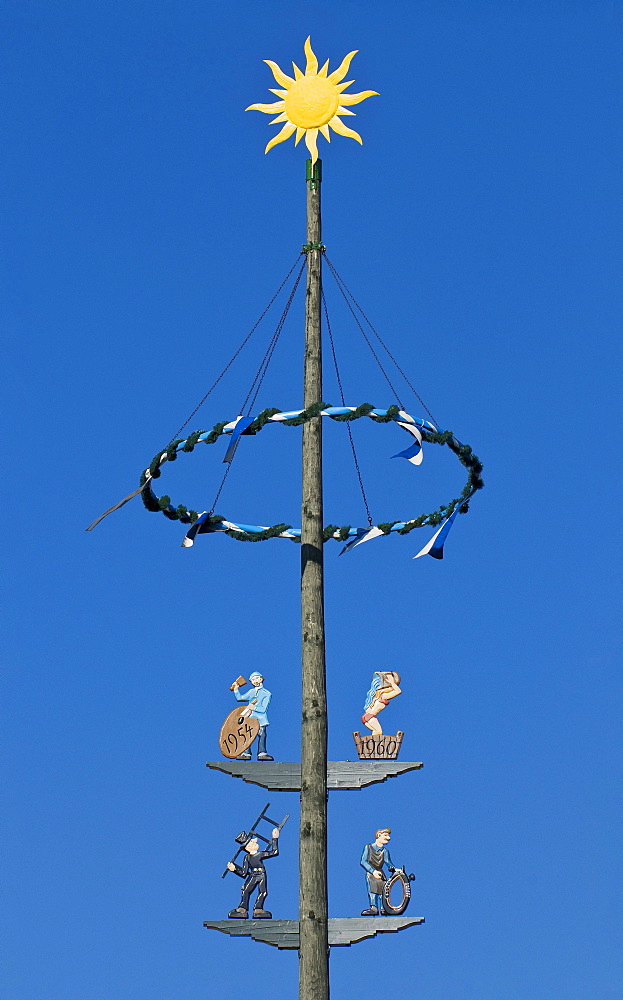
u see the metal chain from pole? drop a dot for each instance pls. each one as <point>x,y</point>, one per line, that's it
<point>363,332</point>
<point>345,290</point>
<point>261,372</point>
<point>270,350</point>
<point>350,433</point>
<point>231,361</point>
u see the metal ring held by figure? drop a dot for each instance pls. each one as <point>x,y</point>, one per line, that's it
<point>404,880</point>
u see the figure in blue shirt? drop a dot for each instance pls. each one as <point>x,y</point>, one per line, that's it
<point>373,858</point>
<point>259,700</point>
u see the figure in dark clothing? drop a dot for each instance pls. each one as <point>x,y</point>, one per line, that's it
<point>254,874</point>
<point>373,858</point>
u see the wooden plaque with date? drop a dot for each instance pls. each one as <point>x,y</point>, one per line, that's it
<point>237,733</point>
<point>384,747</point>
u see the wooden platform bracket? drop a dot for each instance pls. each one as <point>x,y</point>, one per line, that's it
<point>284,934</point>
<point>342,775</point>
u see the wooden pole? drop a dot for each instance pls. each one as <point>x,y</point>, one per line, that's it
<point>313,940</point>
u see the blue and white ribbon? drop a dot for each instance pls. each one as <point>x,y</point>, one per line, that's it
<point>357,536</point>
<point>240,426</point>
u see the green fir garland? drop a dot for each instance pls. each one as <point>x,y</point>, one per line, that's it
<point>162,504</point>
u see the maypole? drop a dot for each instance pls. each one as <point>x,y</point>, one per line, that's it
<point>313,916</point>
<point>310,104</point>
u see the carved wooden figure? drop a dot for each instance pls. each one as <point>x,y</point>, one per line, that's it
<point>244,725</point>
<point>252,868</point>
<point>385,895</point>
<point>254,874</point>
<point>384,687</point>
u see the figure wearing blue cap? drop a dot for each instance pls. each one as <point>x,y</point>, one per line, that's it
<point>259,700</point>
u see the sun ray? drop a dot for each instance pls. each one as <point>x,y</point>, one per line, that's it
<point>312,101</point>
<point>279,75</point>
<point>268,109</point>
<point>311,135</point>
<point>339,73</point>
<point>357,98</point>
<point>312,63</point>
<point>285,133</point>
<point>341,129</point>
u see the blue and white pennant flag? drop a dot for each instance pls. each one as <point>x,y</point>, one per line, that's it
<point>434,547</point>
<point>365,535</point>
<point>413,453</point>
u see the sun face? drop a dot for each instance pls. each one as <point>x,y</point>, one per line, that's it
<point>312,102</point>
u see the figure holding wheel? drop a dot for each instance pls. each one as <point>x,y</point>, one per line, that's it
<point>374,858</point>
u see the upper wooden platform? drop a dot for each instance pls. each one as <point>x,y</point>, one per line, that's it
<point>346,775</point>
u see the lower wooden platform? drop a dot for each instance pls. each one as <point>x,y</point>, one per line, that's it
<point>343,931</point>
<point>284,776</point>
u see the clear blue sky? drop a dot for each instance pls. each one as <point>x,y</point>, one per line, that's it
<point>480,227</point>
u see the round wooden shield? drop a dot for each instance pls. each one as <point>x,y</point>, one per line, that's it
<point>237,733</point>
<point>396,894</point>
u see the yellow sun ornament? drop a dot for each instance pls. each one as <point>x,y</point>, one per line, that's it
<point>312,102</point>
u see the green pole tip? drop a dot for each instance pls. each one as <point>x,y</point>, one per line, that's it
<point>313,172</point>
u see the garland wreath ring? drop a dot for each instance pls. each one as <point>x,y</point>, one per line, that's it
<point>208,521</point>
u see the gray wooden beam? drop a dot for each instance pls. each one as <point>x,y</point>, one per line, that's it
<point>342,775</point>
<point>279,933</point>
<point>345,931</point>
<point>284,934</point>
<point>351,775</point>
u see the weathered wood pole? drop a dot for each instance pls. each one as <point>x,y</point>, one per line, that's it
<point>314,942</point>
